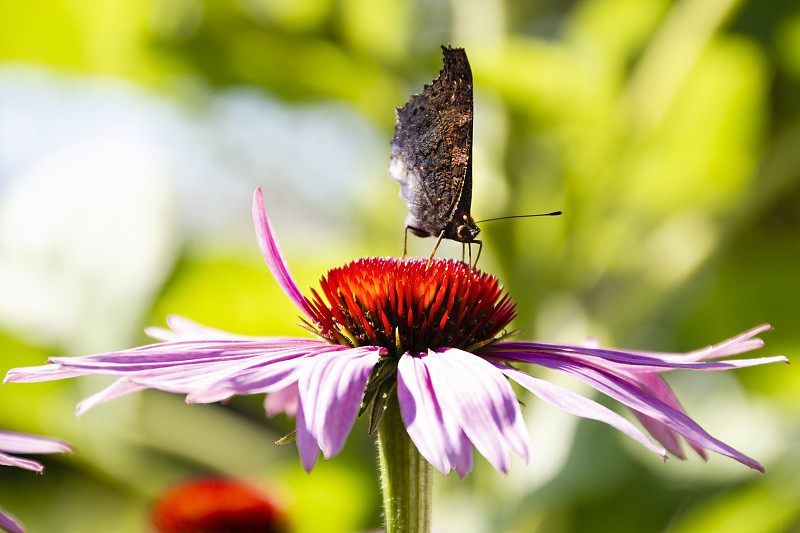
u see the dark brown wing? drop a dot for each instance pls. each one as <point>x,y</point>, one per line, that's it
<point>432,149</point>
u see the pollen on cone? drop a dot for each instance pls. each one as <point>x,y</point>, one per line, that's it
<point>383,301</point>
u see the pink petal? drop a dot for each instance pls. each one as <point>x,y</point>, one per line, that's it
<point>638,400</point>
<point>274,257</point>
<point>663,433</point>
<point>575,404</point>
<point>307,446</point>
<point>744,342</point>
<point>13,442</point>
<point>261,375</point>
<point>205,369</point>
<point>10,525</point>
<point>184,353</point>
<point>182,328</point>
<point>282,401</point>
<point>213,381</point>
<point>331,387</point>
<point>27,464</point>
<point>35,374</point>
<point>120,387</point>
<point>644,361</point>
<point>528,352</point>
<point>483,403</point>
<point>278,374</point>
<point>668,438</point>
<point>438,439</point>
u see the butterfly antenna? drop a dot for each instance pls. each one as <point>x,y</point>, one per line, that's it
<point>480,243</point>
<point>553,214</point>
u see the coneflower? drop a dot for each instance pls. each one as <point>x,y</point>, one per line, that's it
<point>422,348</point>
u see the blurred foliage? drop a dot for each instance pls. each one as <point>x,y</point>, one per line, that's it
<point>668,132</point>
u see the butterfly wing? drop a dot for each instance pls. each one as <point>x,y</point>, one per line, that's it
<point>432,147</point>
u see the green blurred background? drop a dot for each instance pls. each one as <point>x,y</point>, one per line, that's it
<point>133,133</point>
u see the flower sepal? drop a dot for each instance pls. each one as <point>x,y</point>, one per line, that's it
<point>287,439</point>
<point>502,336</point>
<point>382,384</point>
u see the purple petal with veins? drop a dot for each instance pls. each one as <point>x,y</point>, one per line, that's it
<point>330,391</point>
<point>439,439</point>
<point>575,404</point>
<point>481,401</point>
<point>273,255</point>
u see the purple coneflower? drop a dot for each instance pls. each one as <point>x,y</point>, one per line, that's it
<point>423,349</point>
<point>11,442</point>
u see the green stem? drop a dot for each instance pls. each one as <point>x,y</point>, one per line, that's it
<point>405,476</point>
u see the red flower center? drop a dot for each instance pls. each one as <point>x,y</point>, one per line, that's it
<point>406,305</point>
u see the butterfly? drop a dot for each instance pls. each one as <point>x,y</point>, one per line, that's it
<point>432,156</point>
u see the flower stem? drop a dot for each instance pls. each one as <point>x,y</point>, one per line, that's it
<point>405,476</point>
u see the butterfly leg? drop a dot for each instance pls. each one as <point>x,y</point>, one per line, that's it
<point>405,244</point>
<point>480,247</point>
<point>436,247</point>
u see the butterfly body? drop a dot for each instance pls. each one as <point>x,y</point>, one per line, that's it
<point>432,154</point>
